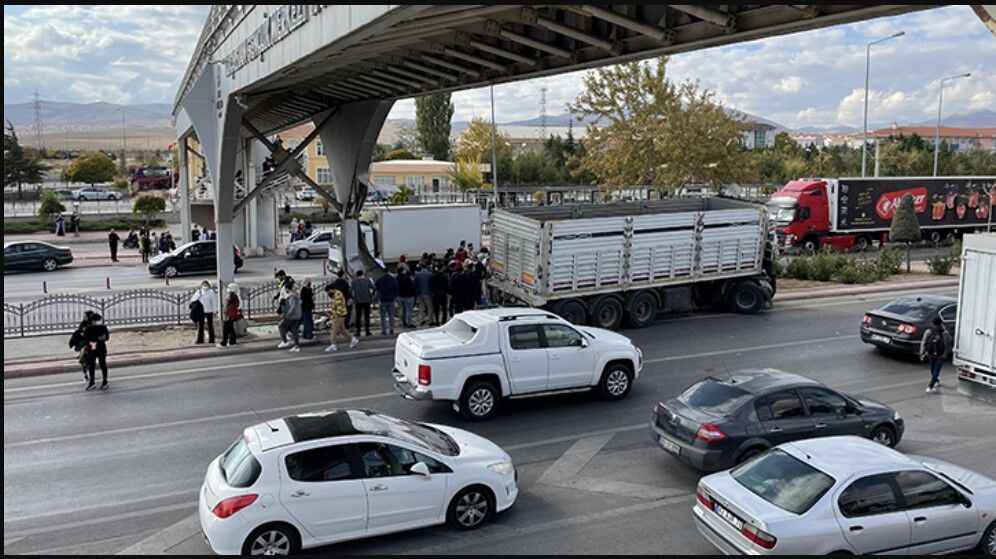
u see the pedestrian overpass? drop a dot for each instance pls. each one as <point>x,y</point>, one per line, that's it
<point>260,69</point>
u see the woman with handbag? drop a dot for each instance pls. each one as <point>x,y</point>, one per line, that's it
<point>96,336</point>
<point>230,316</point>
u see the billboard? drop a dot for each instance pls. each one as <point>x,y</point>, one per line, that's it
<point>870,203</point>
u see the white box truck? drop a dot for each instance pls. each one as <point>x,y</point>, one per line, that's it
<point>600,264</point>
<point>975,329</point>
<point>390,231</point>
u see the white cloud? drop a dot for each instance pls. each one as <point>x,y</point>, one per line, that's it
<point>789,84</point>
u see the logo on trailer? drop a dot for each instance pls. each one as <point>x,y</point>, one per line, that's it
<point>888,203</point>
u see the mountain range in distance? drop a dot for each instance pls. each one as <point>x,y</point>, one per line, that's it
<point>57,115</point>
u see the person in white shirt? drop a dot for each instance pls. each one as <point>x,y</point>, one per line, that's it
<point>209,301</point>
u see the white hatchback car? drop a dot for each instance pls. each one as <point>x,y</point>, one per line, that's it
<point>846,495</point>
<point>319,478</point>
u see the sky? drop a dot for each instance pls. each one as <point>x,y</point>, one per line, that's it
<point>134,54</point>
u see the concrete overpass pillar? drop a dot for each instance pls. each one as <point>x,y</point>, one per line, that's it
<point>349,138</point>
<point>183,190</point>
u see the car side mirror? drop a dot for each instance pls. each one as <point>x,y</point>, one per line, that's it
<point>583,344</point>
<point>421,469</point>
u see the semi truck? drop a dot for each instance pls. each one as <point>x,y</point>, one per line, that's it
<point>390,231</point>
<point>855,212</point>
<point>974,352</point>
<point>603,264</point>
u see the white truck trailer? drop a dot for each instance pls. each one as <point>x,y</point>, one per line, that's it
<point>600,264</point>
<point>975,327</point>
<point>392,231</point>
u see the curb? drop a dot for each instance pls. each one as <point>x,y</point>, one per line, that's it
<point>797,294</point>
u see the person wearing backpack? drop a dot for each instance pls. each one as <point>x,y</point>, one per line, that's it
<point>77,342</point>
<point>934,346</point>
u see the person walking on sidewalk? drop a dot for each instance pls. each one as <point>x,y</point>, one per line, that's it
<point>209,301</point>
<point>363,290</point>
<point>307,310</point>
<point>406,296</point>
<point>144,247</point>
<point>112,242</point>
<point>934,347</point>
<point>342,284</point>
<point>77,342</point>
<point>387,295</point>
<point>230,316</point>
<point>290,318</point>
<point>96,336</point>
<point>338,315</point>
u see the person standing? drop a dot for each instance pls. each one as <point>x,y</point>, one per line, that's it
<point>112,242</point>
<point>290,318</point>
<point>293,230</point>
<point>195,233</point>
<point>209,302</point>
<point>78,343</point>
<point>75,220</point>
<point>96,336</point>
<point>60,226</point>
<point>308,309</point>
<point>387,295</point>
<point>934,347</point>
<point>362,289</point>
<point>153,244</point>
<point>439,286</point>
<point>338,315</point>
<point>340,283</point>
<point>286,205</point>
<point>229,316</point>
<point>143,246</point>
<point>422,277</point>
<point>406,296</point>
<point>204,234</point>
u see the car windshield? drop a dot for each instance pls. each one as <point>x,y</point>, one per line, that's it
<point>409,431</point>
<point>783,480</point>
<point>782,211</point>
<point>713,396</point>
<point>911,308</point>
<point>238,466</point>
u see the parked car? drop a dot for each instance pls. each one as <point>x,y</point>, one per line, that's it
<point>195,256</point>
<point>898,326</point>
<point>318,478</point>
<point>93,193</point>
<point>480,357</point>
<point>722,421</point>
<point>34,255</point>
<point>315,245</point>
<point>305,193</point>
<point>846,495</point>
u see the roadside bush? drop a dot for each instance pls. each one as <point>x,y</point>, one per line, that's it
<point>956,252</point>
<point>780,269</point>
<point>858,272</point>
<point>19,227</point>
<point>314,217</point>
<point>798,268</point>
<point>24,227</point>
<point>120,183</point>
<point>826,263</point>
<point>889,261</point>
<point>940,265</point>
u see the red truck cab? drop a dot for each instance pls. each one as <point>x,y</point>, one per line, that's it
<point>800,213</point>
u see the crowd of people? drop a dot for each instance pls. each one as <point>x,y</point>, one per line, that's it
<point>149,243</point>
<point>300,229</point>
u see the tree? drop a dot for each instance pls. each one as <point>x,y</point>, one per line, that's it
<point>49,206</point>
<point>399,153</point>
<point>432,124</point>
<point>474,144</point>
<point>400,196</point>
<point>407,139</point>
<point>20,166</point>
<point>380,152</point>
<point>91,168</point>
<point>905,227</point>
<point>466,174</point>
<point>148,205</point>
<point>650,130</point>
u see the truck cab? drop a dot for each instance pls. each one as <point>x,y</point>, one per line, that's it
<point>800,213</point>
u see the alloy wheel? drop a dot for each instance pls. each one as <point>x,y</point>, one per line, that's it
<point>50,264</point>
<point>471,509</point>
<point>883,437</point>
<point>271,542</point>
<point>991,543</point>
<point>481,401</point>
<point>617,383</point>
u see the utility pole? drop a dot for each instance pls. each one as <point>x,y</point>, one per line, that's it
<point>494,148</point>
<point>543,113</point>
<point>937,131</point>
<point>39,138</point>
<point>124,143</point>
<point>864,134</point>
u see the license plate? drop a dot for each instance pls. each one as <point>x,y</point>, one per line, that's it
<point>728,516</point>
<point>883,339</point>
<point>669,446</point>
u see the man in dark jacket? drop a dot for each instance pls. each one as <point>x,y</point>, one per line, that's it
<point>387,294</point>
<point>406,296</point>
<point>96,335</point>
<point>362,288</point>
<point>112,241</point>
<point>439,287</point>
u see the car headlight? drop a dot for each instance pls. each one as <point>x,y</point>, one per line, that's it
<point>503,468</point>
<point>896,416</point>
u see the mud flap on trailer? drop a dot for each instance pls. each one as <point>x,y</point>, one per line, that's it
<point>769,290</point>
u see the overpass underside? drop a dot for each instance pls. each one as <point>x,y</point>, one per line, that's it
<point>260,69</point>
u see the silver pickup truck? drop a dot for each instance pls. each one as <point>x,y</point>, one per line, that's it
<point>480,357</point>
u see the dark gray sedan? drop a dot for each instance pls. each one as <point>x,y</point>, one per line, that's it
<point>34,255</point>
<point>722,421</point>
<point>899,325</point>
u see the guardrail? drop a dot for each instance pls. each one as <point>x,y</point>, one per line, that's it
<point>62,313</point>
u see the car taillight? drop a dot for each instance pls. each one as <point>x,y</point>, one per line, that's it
<point>228,507</point>
<point>424,375</point>
<point>710,433</point>
<point>656,410</point>
<point>867,319</point>
<point>760,537</point>
<point>704,499</point>
<point>907,328</point>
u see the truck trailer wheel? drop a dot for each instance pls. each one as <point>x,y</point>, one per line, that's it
<point>811,243</point>
<point>607,313</point>
<point>642,309</point>
<point>746,298</point>
<point>572,310</point>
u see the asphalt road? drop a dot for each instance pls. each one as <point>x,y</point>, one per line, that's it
<point>96,472</point>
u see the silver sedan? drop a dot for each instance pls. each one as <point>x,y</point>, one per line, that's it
<point>315,245</point>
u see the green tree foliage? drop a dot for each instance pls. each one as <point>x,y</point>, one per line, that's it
<point>401,196</point>
<point>650,130</point>
<point>49,206</point>
<point>20,165</point>
<point>905,227</point>
<point>148,205</point>
<point>466,174</point>
<point>474,144</point>
<point>91,168</point>
<point>432,124</point>
<point>407,139</point>
<point>399,153</point>
<point>380,152</point>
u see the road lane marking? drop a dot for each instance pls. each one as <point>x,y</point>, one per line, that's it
<point>574,459</point>
<point>163,540</point>
<point>373,351</point>
<point>94,521</point>
<point>748,349</point>
<point>576,436</point>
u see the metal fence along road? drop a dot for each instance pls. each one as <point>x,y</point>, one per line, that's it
<point>62,313</point>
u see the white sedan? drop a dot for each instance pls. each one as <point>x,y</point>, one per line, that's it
<point>319,478</point>
<point>846,495</point>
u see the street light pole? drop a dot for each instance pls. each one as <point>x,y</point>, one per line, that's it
<point>937,131</point>
<point>124,142</point>
<point>494,148</point>
<point>864,134</point>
